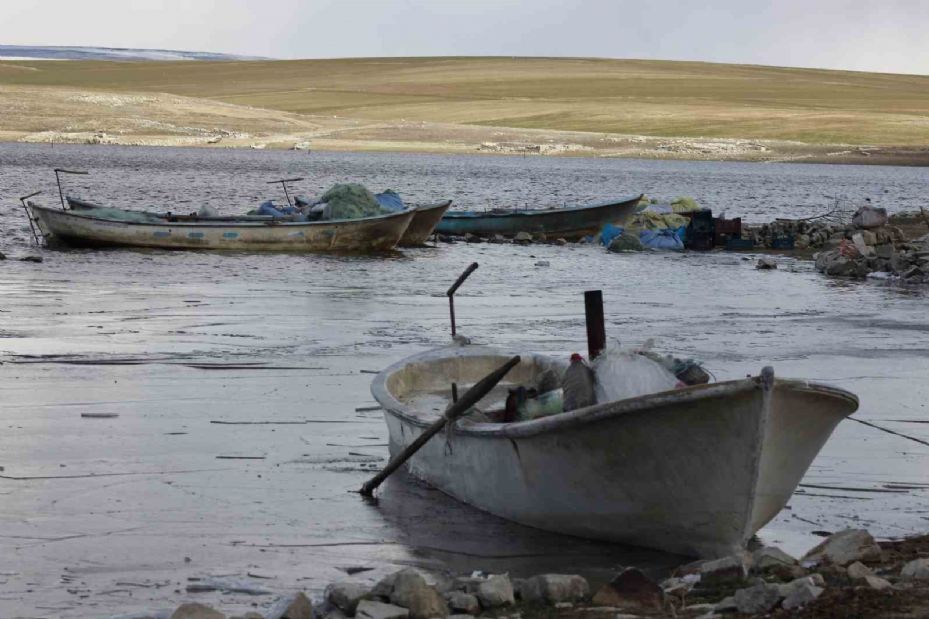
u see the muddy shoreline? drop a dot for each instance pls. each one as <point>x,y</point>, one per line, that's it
<point>436,138</point>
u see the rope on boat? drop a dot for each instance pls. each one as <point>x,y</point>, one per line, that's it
<point>889,431</point>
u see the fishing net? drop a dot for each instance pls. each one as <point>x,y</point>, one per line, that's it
<point>350,201</point>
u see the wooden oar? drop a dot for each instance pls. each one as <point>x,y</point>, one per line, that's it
<point>471,397</point>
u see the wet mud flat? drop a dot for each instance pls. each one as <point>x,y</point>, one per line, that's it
<point>244,422</point>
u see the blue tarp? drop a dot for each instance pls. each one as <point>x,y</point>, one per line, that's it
<point>608,233</point>
<point>390,201</point>
<point>667,239</point>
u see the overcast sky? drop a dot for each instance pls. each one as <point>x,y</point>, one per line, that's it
<point>868,35</point>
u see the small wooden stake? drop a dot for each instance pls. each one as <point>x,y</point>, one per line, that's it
<point>596,332</point>
<point>471,397</point>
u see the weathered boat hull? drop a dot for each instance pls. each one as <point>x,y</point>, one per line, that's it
<point>358,235</point>
<point>424,224</point>
<point>569,223</point>
<point>695,471</point>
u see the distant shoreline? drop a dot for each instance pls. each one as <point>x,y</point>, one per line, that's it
<point>631,147</point>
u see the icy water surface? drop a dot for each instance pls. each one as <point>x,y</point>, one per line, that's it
<point>240,381</point>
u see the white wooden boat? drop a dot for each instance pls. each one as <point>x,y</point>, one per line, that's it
<point>87,227</point>
<point>694,471</point>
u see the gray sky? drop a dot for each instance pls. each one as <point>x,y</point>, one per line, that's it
<point>867,35</point>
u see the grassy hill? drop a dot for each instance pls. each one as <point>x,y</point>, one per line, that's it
<point>662,99</point>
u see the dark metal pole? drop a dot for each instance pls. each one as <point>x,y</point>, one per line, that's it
<point>283,183</point>
<point>29,215</point>
<point>471,397</point>
<point>596,332</point>
<point>58,180</point>
<point>451,293</point>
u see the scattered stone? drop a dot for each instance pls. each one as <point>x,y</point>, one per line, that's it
<point>845,547</point>
<point>630,590</point>
<point>472,238</point>
<point>523,238</point>
<point>302,146</point>
<point>195,610</point>
<point>461,616</point>
<point>2,256</point>
<point>32,259</point>
<point>768,557</point>
<point>801,596</point>
<point>369,609</point>
<point>496,591</point>
<point>877,583</point>
<point>766,262</point>
<point>411,591</point>
<point>296,606</point>
<point>459,601</point>
<point>858,571</point>
<point>731,569</point>
<point>759,598</point>
<point>543,263</point>
<point>884,251</point>
<point>561,242</point>
<point>726,605</point>
<point>680,586</point>
<point>498,238</point>
<point>346,595</point>
<point>554,588</point>
<point>917,569</point>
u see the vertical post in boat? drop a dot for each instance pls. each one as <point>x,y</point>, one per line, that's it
<point>61,195</point>
<point>29,215</point>
<point>451,293</point>
<point>596,332</point>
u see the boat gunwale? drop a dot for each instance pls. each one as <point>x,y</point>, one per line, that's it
<point>590,414</point>
<point>224,224</point>
<point>537,212</point>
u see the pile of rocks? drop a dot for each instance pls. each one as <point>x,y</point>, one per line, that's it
<point>520,238</point>
<point>845,566</point>
<point>806,234</point>
<point>881,250</point>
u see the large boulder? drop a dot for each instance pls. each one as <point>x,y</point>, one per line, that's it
<point>917,569</point>
<point>801,596</point>
<point>195,610</point>
<point>346,595</point>
<point>296,606</point>
<point>759,598</point>
<point>461,602</point>
<point>869,217</point>
<point>369,609</point>
<point>411,591</point>
<point>768,557</point>
<point>554,588</point>
<point>631,590</point>
<point>845,547</point>
<point>496,591</point>
<point>728,570</point>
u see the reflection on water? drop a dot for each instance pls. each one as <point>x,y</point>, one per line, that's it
<point>279,350</point>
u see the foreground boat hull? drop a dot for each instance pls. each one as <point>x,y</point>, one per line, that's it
<point>81,228</point>
<point>424,224</point>
<point>568,223</point>
<point>694,471</point>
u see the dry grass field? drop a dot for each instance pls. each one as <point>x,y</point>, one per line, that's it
<point>574,106</point>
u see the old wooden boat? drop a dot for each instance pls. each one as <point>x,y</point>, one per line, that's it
<point>568,222</point>
<point>89,225</point>
<point>424,223</point>
<point>694,471</point>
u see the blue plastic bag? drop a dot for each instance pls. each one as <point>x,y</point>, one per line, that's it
<point>390,201</point>
<point>608,233</point>
<point>666,239</point>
